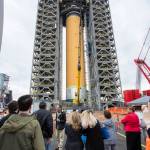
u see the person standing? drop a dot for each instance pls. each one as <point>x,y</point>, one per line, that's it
<point>46,122</point>
<point>139,113</point>
<point>73,132</point>
<point>91,129</point>
<point>146,117</point>
<point>22,131</point>
<point>12,109</point>
<point>110,143</point>
<point>132,129</point>
<point>60,125</point>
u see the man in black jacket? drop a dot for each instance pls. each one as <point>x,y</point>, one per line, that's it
<point>60,125</point>
<point>46,122</point>
<point>13,109</point>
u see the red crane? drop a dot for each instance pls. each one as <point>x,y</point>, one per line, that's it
<point>143,67</point>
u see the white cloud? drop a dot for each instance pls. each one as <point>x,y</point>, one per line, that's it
<point>130,21</point>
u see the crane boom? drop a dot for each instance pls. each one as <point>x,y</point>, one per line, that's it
<point>144,68</point>
<point>140,62</point>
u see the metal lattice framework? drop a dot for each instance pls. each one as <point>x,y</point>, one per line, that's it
<point>104,70</point>
<point>45,72</point>
<point>46,77</point>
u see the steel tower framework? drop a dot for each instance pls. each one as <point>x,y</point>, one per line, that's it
<point>105,82</point>
<point>44,80</point>
<point>104,69</point>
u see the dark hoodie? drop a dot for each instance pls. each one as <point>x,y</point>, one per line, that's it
<point>109,124</point>
<point>21,133</point>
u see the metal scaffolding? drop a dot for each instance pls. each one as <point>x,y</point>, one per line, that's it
<point>105,84</point>
<point>45,73</point>
<point>104,70</point>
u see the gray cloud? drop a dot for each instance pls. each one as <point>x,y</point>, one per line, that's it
<point>18,41</point>
<point>130,21</point>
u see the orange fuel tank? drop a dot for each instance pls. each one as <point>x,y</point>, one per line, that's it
<point>75,47</point>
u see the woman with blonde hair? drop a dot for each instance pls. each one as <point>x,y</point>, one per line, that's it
<point>91,128</point>
<point>73,132</point>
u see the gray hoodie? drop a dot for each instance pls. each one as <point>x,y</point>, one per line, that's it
<point>109,124</point>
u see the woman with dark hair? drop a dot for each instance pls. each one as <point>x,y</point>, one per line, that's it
<point>110,143</point>
<point>132,128</point>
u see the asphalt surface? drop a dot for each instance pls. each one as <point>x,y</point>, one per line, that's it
<point>121,142</point>
<point>121,145</point>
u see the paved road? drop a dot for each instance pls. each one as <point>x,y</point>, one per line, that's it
<point>121,145</point>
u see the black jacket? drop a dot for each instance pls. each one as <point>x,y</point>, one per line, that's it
<point>73,141</point>
<point>94,138</point>
<point>46,122</point>
<point>2,121</point>
<point>60,120</point>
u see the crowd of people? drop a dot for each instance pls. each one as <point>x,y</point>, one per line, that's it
<point>79,130</point>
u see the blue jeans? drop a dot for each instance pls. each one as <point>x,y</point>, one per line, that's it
<point>48,146</point>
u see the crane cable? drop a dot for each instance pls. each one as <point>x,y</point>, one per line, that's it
<point>147,53</point>
<point>144,45</point>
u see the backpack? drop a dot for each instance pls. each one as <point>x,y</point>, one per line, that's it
<point>104,131</point>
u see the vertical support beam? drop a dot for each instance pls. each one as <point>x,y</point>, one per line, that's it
<point>61,67</point>
<point>86,57</point>
<point>105,76</point>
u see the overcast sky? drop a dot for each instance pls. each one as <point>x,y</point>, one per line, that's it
<point>131,20</point>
